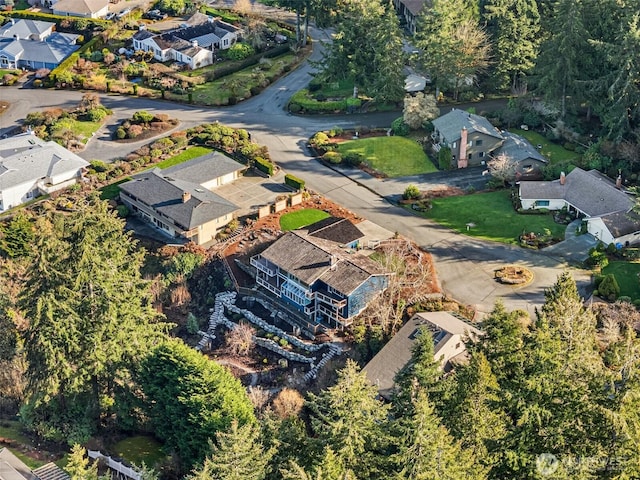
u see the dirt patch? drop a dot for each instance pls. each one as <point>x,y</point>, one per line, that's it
<point>349,135</point>
<point>4,106</point>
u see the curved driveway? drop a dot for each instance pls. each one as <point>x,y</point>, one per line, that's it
<point>465,266</point>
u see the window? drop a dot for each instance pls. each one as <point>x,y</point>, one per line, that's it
<point>469,156</point>
<point>480,154</point>
<point>542,203</point>
<point>478,143</point>
<point>454,144</point>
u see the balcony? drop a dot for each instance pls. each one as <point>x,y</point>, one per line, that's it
<point>263,265</point>
<point>266,284</point>
<point>333,300</point>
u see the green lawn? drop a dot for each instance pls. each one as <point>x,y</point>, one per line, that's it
<point>188,154</point>
<point>394,156</point>
<point>3,72</point>
<point>626,274</point>
<point>554,152</point>
<point>301,218</point>
<point>83,130</point>
<point>140,449</point>
<point>493,216</point>
<point>111,191</point>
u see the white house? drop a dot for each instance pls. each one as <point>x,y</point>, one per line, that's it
<point>31,167</point>
<point>604,204</point>
<point>81,8</point>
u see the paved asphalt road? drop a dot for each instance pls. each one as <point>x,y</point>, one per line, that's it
<point>465,266</point>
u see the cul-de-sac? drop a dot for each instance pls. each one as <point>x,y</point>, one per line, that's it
<point>319,239</point>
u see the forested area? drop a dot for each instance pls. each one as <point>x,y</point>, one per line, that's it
<point>85,353</point>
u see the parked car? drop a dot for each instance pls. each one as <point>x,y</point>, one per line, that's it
<point>110,16</point>
<point>155,15</point>
<point>124,12</point>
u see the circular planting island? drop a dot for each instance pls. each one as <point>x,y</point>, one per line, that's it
<point>514,275</point>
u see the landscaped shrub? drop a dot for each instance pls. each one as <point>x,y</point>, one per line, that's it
<point>444,159</point>
<point>399,127</point>
<point>142,116</point>
<point>315,85</point>
<point>98,166</point>
<point>294,181</point>
<point>332,157</point>
<point>609,288</point>
<point>264,165</point>
<point>597,259</point>
<point>121,133</point>
<point>239,51</point>
<point>412,192</point>
<point>354,159</point>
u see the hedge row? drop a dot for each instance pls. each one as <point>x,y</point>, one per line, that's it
<point>71,60</point>
<point>301,100</point>
<point>26,14</point>
<point>294,181</point>
<point>264,165</point>
<point>225,70</point>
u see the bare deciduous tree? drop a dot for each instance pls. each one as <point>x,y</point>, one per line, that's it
<point>502,167</point>
<point>418,109</point>
<point>288,403</point>
<point>240,339</point>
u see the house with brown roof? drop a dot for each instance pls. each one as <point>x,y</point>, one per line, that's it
<point>317,271</point>
<point>449,331</point>
<point>603,203</point>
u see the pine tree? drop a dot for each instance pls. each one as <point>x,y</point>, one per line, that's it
<point>78,465</point>
<point>236,455</point>
<point>427,451</point>
<point>348,419</point>
<point>90,318</point>
<point>16,236</point>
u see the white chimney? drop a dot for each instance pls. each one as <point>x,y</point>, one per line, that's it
<point>142,27</point>
<point>186,196</point>
<point>194,43</point>
<point>563,178</point>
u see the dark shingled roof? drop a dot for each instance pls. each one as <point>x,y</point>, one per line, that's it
<point>205,168</point>
<point>164,194</point>
<point>590,192</point>
<point>622,223</point>
<point>450,124</point>
<point>518,148</point>
<point>310,259</point>
<point>339,230</point>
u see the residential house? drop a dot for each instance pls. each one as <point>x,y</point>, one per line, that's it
<point>179,202</point>
<point>12,468</point>
<point>317,271</point>
<point>449,331</point>
<point>604,204</point>
<point>81,8</point>
<point>473,141</point>
<point>31,167</point>
<point>193,45</point>
<point>33,44</point>
<point>408,11</point>
<point>471,138</point>
<point>527,160</point>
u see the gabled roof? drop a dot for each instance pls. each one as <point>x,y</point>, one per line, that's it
<point>622,223</point>
<point>25,28</point>
<point>590,192</point>
<point>414,6</point>
<point>310,259</point>
<point>12,468</point>
<point>83,7</point>
<point>143,34</point>
<point>206,33</point>
<point>339,230</point>
<point>450,125</point>
<point>383,368</point>
<point>204,169</point>
<point>27,158</point>
<point>55,48</point>
<point>518,148</point>
<point>164,194</point>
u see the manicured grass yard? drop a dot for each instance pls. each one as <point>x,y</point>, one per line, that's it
<point>188,154</point>
<point>554,152</point>
<point>83,130</point>
<point>626,274</point>
<point>140,449</point>
<point>394,156</point>
<point>301,218</point>
<point>493,216</point>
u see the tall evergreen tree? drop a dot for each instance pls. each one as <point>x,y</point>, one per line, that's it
<point>79,466</point>
<point>236,455</point>
<point>90,318</point>
<point>514,26</point>
<point>348,419</point>
<point>16,236</point>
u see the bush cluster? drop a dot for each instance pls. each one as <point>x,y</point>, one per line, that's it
<point>294,181</point>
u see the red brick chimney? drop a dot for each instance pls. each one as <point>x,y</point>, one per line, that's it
<point>563,178</point>
<point>462,158</point>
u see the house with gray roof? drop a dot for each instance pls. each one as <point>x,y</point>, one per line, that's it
<point>408,11</point>
<point>193,44</point>
<point>31,167</point>
<point>178,201</point>
<point>449,331</point>
<point>325,280</point>
<point>471,138</point>
<point>33,44</point>
<point>527,160</point>
<point>603,203</point>
<point>81,8</point>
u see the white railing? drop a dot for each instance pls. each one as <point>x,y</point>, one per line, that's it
<point>114,465</point>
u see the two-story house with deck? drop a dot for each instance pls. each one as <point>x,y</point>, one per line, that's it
<point>317,271</point>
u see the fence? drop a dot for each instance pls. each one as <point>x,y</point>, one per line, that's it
<point>121,471</point>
